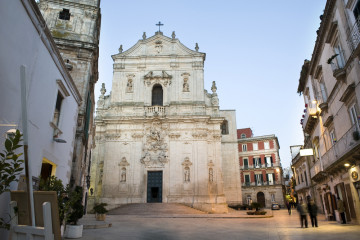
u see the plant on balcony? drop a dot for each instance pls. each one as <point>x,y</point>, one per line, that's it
<point>356,135</point>
<point>329,61</point>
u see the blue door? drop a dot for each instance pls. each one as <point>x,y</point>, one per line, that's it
<point>154,187</point>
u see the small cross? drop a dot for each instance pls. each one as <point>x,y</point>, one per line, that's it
<point>159,24</point>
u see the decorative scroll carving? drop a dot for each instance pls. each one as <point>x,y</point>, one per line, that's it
<point>200,134</point>
<point>217,136</point>
<point>137,135</point>
<point>112,136</point>
<point>123,162</point>
<point>158,46</point>
<point>174,135</point>
<point>186,162</point>
<point>164,78</point>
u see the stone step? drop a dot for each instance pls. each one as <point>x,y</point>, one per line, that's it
<point>153,209</point>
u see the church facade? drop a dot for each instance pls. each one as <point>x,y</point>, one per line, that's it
<point>160,137</point>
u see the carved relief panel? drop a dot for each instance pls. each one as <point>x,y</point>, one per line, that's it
<point>155,148</point>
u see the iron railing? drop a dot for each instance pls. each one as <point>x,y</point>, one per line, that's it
<point>342,146</point>
<point>353,37</point>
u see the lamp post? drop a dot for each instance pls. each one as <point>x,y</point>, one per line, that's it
<point>88,181</point>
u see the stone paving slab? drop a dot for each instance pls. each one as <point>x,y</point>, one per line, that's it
<point>281,227</point>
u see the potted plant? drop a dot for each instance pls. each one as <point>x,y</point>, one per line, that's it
<point>256,206</point>
<point>74,210</point>
<point>100,211</point>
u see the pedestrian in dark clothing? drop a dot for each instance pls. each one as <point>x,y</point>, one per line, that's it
<point>302,209</point>
<point>313,212</point>
<point>341,210</point>
<point>288,205</point>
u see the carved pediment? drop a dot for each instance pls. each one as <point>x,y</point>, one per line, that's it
<point>124,162</point>
<point>157,77</point>
<point>186,162</point>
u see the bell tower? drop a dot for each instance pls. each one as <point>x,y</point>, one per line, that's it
<point>75,27</point>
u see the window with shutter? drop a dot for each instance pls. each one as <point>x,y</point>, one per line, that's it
<point>246,164</point>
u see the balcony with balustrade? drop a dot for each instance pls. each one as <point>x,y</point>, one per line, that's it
<point>345,150</point>
<point>155,111</point>
<point>353,38</point>
<point>311,117</point>
<point>338,66</point>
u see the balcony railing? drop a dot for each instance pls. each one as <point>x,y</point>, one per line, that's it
<point>254,184</point>
<point>155,111</point>
<point>353,37</point>
<point>246,167</point>
<point>310,116</point>
<point>341,147</point>
<point>300,186</point>
<point>337,66</point>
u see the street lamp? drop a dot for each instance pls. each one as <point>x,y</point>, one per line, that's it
<point>88,181</point>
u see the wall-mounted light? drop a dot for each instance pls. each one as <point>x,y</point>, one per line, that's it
<point>58,140</point>
<point>347,164</point>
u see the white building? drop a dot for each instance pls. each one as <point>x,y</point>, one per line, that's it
<point>331,123</point>
<point>52,97</point>
<point>158,135</point>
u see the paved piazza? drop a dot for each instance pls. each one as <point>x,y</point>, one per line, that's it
<point>281,226</point>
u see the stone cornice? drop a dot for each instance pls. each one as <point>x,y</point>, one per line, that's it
<point>320,40</point>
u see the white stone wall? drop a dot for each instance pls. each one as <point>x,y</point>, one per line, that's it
<point>24,42</point>
<point>182,138</point>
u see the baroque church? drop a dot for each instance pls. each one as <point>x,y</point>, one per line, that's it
<point>160,136</point>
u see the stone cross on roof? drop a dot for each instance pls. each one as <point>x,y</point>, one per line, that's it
<point>159,24</point>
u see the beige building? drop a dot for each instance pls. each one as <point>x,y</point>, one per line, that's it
<point>329,83</point>
<point>158,135</point>
<point>300,166</point>
<point>75,27</point>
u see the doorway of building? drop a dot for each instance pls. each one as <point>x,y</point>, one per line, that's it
<point>154,187</point>
<point>261,198</point>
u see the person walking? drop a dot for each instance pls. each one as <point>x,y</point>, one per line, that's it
<point>288,205</point>
<point>302,209</point>
<point>341,210</point>
<point>313,212</point>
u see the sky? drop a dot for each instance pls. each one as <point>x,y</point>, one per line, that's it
<point>254,51</point>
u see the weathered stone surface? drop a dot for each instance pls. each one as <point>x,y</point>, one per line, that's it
<point>179,137</point>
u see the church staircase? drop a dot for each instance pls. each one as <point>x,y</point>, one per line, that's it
<point>153,209</point>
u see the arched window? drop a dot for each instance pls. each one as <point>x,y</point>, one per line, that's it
<point>157,95</point>
<point>225,128</point>
<point>243,135</point>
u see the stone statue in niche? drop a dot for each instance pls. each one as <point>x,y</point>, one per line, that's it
<point>211,175</point>
<point>186,82</point>
<point>186,85</point>
<point>187,174</point>
<point>123,175</point>
<point>129,86</point>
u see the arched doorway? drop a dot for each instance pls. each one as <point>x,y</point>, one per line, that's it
<point>261,198</point>
<point>157,95</point>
